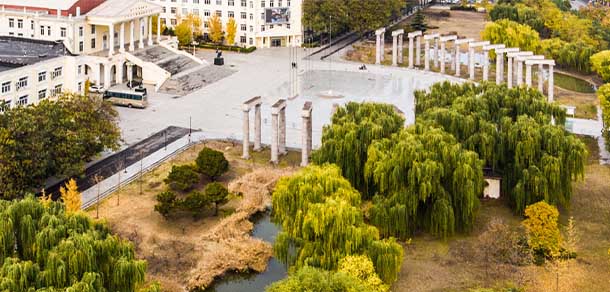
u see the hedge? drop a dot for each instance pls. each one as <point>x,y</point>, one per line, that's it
<point>227,48</point>
<point>464,8</point>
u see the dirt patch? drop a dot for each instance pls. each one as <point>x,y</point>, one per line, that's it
<point>463,23</point>
<point>183,252</point>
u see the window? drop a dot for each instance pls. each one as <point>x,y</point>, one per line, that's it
<point>288,4</point>
<point>81,46</point>
<point>243,27</point>
<point>11,33</point>
<point>205,24</point>
<point>173,10</point>
<point>56,73</point>
<point>231,14</point>
<point>42,76</point>
<point>219,13</point>
<point>185,11</point>
<point>206,2</point>
<point>49,30</point>
<point>251,41</point>
<point>5,105</point>
<point>262,28</point>
<point>251,4</point>
<point>195,1</point>
<point>56,90</point>
<point>19,23</point>
<point>92,29</point>
<point>243,15</point>
<point>195,11</point>
<point>279,3</point>
<point>80,69</point>
<point>251,28</point>
<point>263,4</point>
<point>164,9</point>
<point>173,21</point>
<point>218,2</point>
<point>206,13</point>
<point>80,87</point>
<point>6,87</point>
<point>244,3</point>
<point>231,2</point>
<point>251,16</point>
<point>23,82</point>
<point>270,3</point>
<point>23,100</point>
<point>32,25</point>
<point>81,31</point>
<point>242,39</point>
<point>93,43</point>
<point>62,32</point>
<point>11,22</point>
<point>42,94</point>
<point>42,30</point>
<point>263,16</point>
<point>288,25</point>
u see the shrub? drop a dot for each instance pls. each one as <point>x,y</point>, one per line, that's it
<point>212,163</point>
<point>239,49</point>
<point>542,230</point>
<point>216,193</point>
<point>603,93</point>
<point>182,177</point>
<point>600,63</point>
<point>166,202</point>
<point>463,8</point>
<point>195,203</point>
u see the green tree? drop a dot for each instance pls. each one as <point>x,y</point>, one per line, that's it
<point>370,15</point>
<point>215,31</point>
<point>47,249</point>
<point>543,235</point>
<point>184,33</point>
<point>182,177</point>
<point>512,34</point>
<point>216,193</point>
<point>361,267</point>
<point>231,31</point>
<point>345,142</point>
<point>322,222</point>
<point>195,203</point>
<point>166,202</point>
<point>212,163</point>
<point>419,21</point>
<point>310,279</point>
<point>600,63</point>
<point>603,94</point>
<point>52,138</point>
<point>318,13</point>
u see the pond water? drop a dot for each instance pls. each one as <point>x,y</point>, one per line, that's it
<point>266,230</point>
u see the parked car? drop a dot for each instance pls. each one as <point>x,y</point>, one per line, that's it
<point>94,88</point>
<point>133,83</point>
<point>140,88</point>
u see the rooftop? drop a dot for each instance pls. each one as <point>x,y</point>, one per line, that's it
<point>17,52</point>
<point>51,4</point>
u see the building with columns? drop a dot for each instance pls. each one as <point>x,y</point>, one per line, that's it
<point>96,37</point>
<point>260,23</point>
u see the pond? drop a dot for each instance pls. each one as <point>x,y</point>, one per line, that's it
<point>266,230</point>
<point>574,84</point>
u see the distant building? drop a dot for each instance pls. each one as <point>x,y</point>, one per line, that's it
<point>260,23</point>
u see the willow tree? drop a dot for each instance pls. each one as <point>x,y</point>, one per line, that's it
<point>322,222</point>
<point>345,142</point>
<point>512,131</point>
<point>46,249</point>
<point>426,180</point>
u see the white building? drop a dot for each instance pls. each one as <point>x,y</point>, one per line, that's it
<point>260,23</point>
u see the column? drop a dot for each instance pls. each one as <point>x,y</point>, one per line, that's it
<point>96,74</point>
<point>551,79</point>
<point>515,70</point>
<point>457,64</point>
<point>427,55</point>
<point>150,33</point>
<point>435,57</point>
<point>110,40</point>
<point>401,58</point>
<point>257,128</point>
<point>519,71</point>
<point>131,35</point>
<point>377,49</point>
<point>499,67</point>
<point>122,38</point>
<point>282,126</point>
<point>541,78</point>
<point>107,79</point>
<point>119,73</point>
<point>471,63</point>
<point>442,57</point>
<point>395,50</point>
<point>246,131</point>
<point>411,52</point>
<point>129,72</point>
<point>306,134</point>
<point>158,28</point>
<point>528,75</point>
<point>140,34</point>
<point>485,65</point>
<point>418,50</point>
<point>275,141</point>
<point>382,46</point>
<point>509,74</point>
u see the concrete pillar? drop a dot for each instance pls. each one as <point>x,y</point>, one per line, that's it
<point>141,34</point>
<point>442,57</point>
<point>435,53</point>
<point>257,128</point>
<point>456,62</point>
<point>418,51</point>
<point>471,63</point>
<point>119,73</point>
<point>275,141</point>
<point>377,50</point>
<point>528,75</point>
<point>551,79</point>
<point>96,74</point>
<point>306,134</point>
<point>122,38</point>
<point>132,26</point>
<point>499,67</point>
<point>111,40</point>
<point>401,58</point>
<point>519,71</point>
<point>282,126</point>
<point>485,65</point>
<point>395,50</point>
<point>515,71</point>
<point>129,72</point>
<point>158,29</point>
<point>541,78</point>
<point>246,131</point>
<point>411,52</point>
<point>383,46</point>
<point>509,74</point>
<point>427,55</point>
<point>107,79</point>
<point>150,31</point>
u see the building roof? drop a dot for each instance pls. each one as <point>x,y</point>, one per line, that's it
<point>50,4</point>
<point>17,52</point>
<point>117,10</point>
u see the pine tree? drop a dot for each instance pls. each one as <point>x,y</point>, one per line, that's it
<point>71,196</point>
<point>419,21</point>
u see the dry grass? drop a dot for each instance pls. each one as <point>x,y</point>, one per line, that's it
<point>586,104</point>
<point>184,252</point>
<point>455,265</point>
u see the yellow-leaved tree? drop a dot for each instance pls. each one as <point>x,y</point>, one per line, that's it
<point>215,29</point>
<point>45,199</point>
<point>71,196</point>
<point>361,267</point>
<point>231,31</point>
<point>543,235</point>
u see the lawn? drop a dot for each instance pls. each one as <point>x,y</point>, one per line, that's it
<point>572,83</point>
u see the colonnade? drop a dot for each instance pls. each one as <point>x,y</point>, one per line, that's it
<point>278,129</point>
<point>146,20</point>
